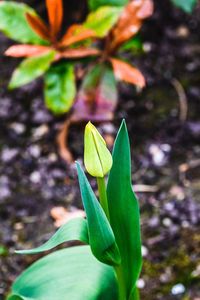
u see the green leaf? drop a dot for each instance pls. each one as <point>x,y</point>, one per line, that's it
<point>71,273</point>
<point>103,19</point>
<point>60,87</point>
<point>13,23</point>
<point>92,78</point>
<point>15,297</point>
<point>185,5</point>
<point>124,213</point>
<point>75,229</point>
<point>94,4</point>
<point>101,237</point>
<point>134,45</point>
<point>31,68</point>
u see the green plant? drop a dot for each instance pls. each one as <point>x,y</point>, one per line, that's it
<point>46,53</point>
<point>98,95</point>
<point>109,24</point>
<point>109,267</point>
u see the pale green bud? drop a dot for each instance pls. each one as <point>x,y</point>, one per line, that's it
<point>97,157</point>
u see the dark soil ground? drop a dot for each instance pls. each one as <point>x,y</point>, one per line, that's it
<point>166,163</point>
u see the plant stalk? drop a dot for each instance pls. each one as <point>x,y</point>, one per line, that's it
<point>103,195</point>
<point>121,285</point>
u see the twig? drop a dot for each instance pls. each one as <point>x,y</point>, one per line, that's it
<point>143,188</point>
<point>62,139</point>
<point>182,99</point>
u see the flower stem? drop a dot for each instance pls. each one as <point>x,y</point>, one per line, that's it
<point>102,195</point>
<point>121,286</point>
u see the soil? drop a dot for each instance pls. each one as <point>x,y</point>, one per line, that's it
<point>165,152</point>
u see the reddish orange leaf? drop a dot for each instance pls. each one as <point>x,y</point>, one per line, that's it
<point>78,53</point>
<point>130,21</point>
<point>55,14</point>
<point>71,30</point>
<point>38,26</point>
<point>26,50</point>
<point>146,9</point>
<point>125,72</point>
<point>76,33</point>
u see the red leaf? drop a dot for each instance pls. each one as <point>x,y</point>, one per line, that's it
<point>76,33</point>
<point>78,53</point>
<point>26,50</point>
<point>38,26</point>
<point>55,14</point>
<point>125,72</point>
<point>130,21</point>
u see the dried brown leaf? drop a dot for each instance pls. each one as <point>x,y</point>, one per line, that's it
<point>127,73</point>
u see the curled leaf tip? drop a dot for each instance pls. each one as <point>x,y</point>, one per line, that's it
<point>97,158</point>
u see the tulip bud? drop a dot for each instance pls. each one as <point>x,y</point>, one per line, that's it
<point>97,158</point>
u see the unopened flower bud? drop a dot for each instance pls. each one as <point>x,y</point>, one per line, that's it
<point>97,158</point>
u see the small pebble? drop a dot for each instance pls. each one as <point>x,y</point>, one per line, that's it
<point>19,128</point>
<point>158,156</point>
<point>35,177</point>
<point>147,47</point>
<point>182,31</point>
<point>185,224</point>
<point>169,206</point>
<point>167,222</point>
<point>52,157</point>
<point>35,150</point>
<point>8,154</point>
<point>145,251</point>
<point>140,283</point>
<point>178,289</point>
<point>40,131</point>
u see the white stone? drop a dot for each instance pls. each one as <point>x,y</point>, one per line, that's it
<point>35,177</point>
<point>140,283</point>
<point>178,289</point>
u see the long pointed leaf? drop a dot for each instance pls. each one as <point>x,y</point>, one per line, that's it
<point>68,274</point>
<point>26,50</point>
<point>38,26</point>
<point>74,230</point>
<point>31,68</point>
<point>55,13</point>
<point>124,212</point>
<point>101,237</point>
